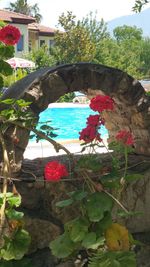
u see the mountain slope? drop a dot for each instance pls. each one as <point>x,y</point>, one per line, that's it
<point>141,20</point>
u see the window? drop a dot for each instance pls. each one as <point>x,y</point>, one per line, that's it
<point>30,45</point>
<point>51,43</point>
<point>42,42</point>
<point>20,44</point>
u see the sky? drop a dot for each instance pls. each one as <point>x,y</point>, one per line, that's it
<point>106,9</point>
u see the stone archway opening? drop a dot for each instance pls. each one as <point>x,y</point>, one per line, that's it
<point>45,86</point>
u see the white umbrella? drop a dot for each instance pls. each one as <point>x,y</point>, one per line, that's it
<point>20,63</point>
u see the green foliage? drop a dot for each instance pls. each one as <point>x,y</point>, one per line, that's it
<point>16,76</point>
<point>15,246</point>
<point>74,197</point>
<point>45,129</point>
<point>6,51</point>
<point>113,259</point>
<point>133,177</point>
<point>84,231</point>
<point>74,44</point>
<point>96,29</point>
<point>62,246</point>
<point>139,5</point>
<point>145,57</point>
<point>17,240</point>
<point>66,98</point>
<point>126,33</point>
<point>89,162</point>
<point>22,6</point>
<point>42,57</point>
<point>5,68</point>
<point>97,204</point>
<point>77,229</point>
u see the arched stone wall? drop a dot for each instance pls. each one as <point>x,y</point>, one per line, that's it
<point>48,84</point>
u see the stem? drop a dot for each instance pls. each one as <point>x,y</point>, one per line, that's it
<point>116,200</point>
<point>126,161</point>
<point>6,174</point>
<point>56,145</point>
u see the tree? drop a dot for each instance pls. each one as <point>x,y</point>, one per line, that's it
<point>97,29</point>
<point>74,43</point>
<point>139,4</point>
<point>22,6</point>
<point>129,40</point>
<point>145,57</point>
<point>126,33</point>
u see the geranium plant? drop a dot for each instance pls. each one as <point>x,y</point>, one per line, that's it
<point>14,240</point>
<point>94,230</point>
<point>105,241</point>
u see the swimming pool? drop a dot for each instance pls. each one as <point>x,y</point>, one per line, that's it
<point>69,121</point>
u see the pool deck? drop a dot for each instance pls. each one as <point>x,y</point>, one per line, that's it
<point>67,105</point>
<point>45,149</point>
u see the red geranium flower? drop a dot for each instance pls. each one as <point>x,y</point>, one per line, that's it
<point>125,137</point>
<point>9,35</point>
<point>101,103</point>
<point>95,120</point>
<point>54,171</point>
<point>88,134</point>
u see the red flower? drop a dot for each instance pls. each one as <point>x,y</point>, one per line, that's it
<point>101,103</point>
<point>9,35</point>
<point>54,171</point>
<point>125,137</point>
<point>88,134</point>
<point>95,120</point>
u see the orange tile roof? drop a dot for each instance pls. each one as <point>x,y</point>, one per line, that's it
<point>43,30</point>
<point>10,16</point>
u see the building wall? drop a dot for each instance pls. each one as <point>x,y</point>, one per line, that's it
<point>46,40</point>
<point>24,32</point>
<point>33,40</point>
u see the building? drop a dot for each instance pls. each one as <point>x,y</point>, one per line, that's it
<point>40,35</point>
<point>33,35</point>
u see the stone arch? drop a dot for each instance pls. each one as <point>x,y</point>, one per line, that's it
<point>46,85</point>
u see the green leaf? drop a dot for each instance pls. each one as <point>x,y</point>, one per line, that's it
<point>8,194</point>
<point>113,259</point>
<point>103,224</point>
<point>23,103</point>
<point>64,203</point>
<point>7,51</point>
<point>14,215</point>
<point>78,195</point>
<point>17,246</point>
<point>133,177</point>
<point>62,246</point>
<point>2,23</point>
<point>8,101</point>
<point>77,229</point>
<point>99,242</point>
<point>89,240</point>
<point>14,201</point>
<point>5,68</point>
<point>1,81</point>
<point>46,127</point>
<point>97,204</point>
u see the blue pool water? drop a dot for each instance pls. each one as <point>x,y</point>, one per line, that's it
<point>69,121</point>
